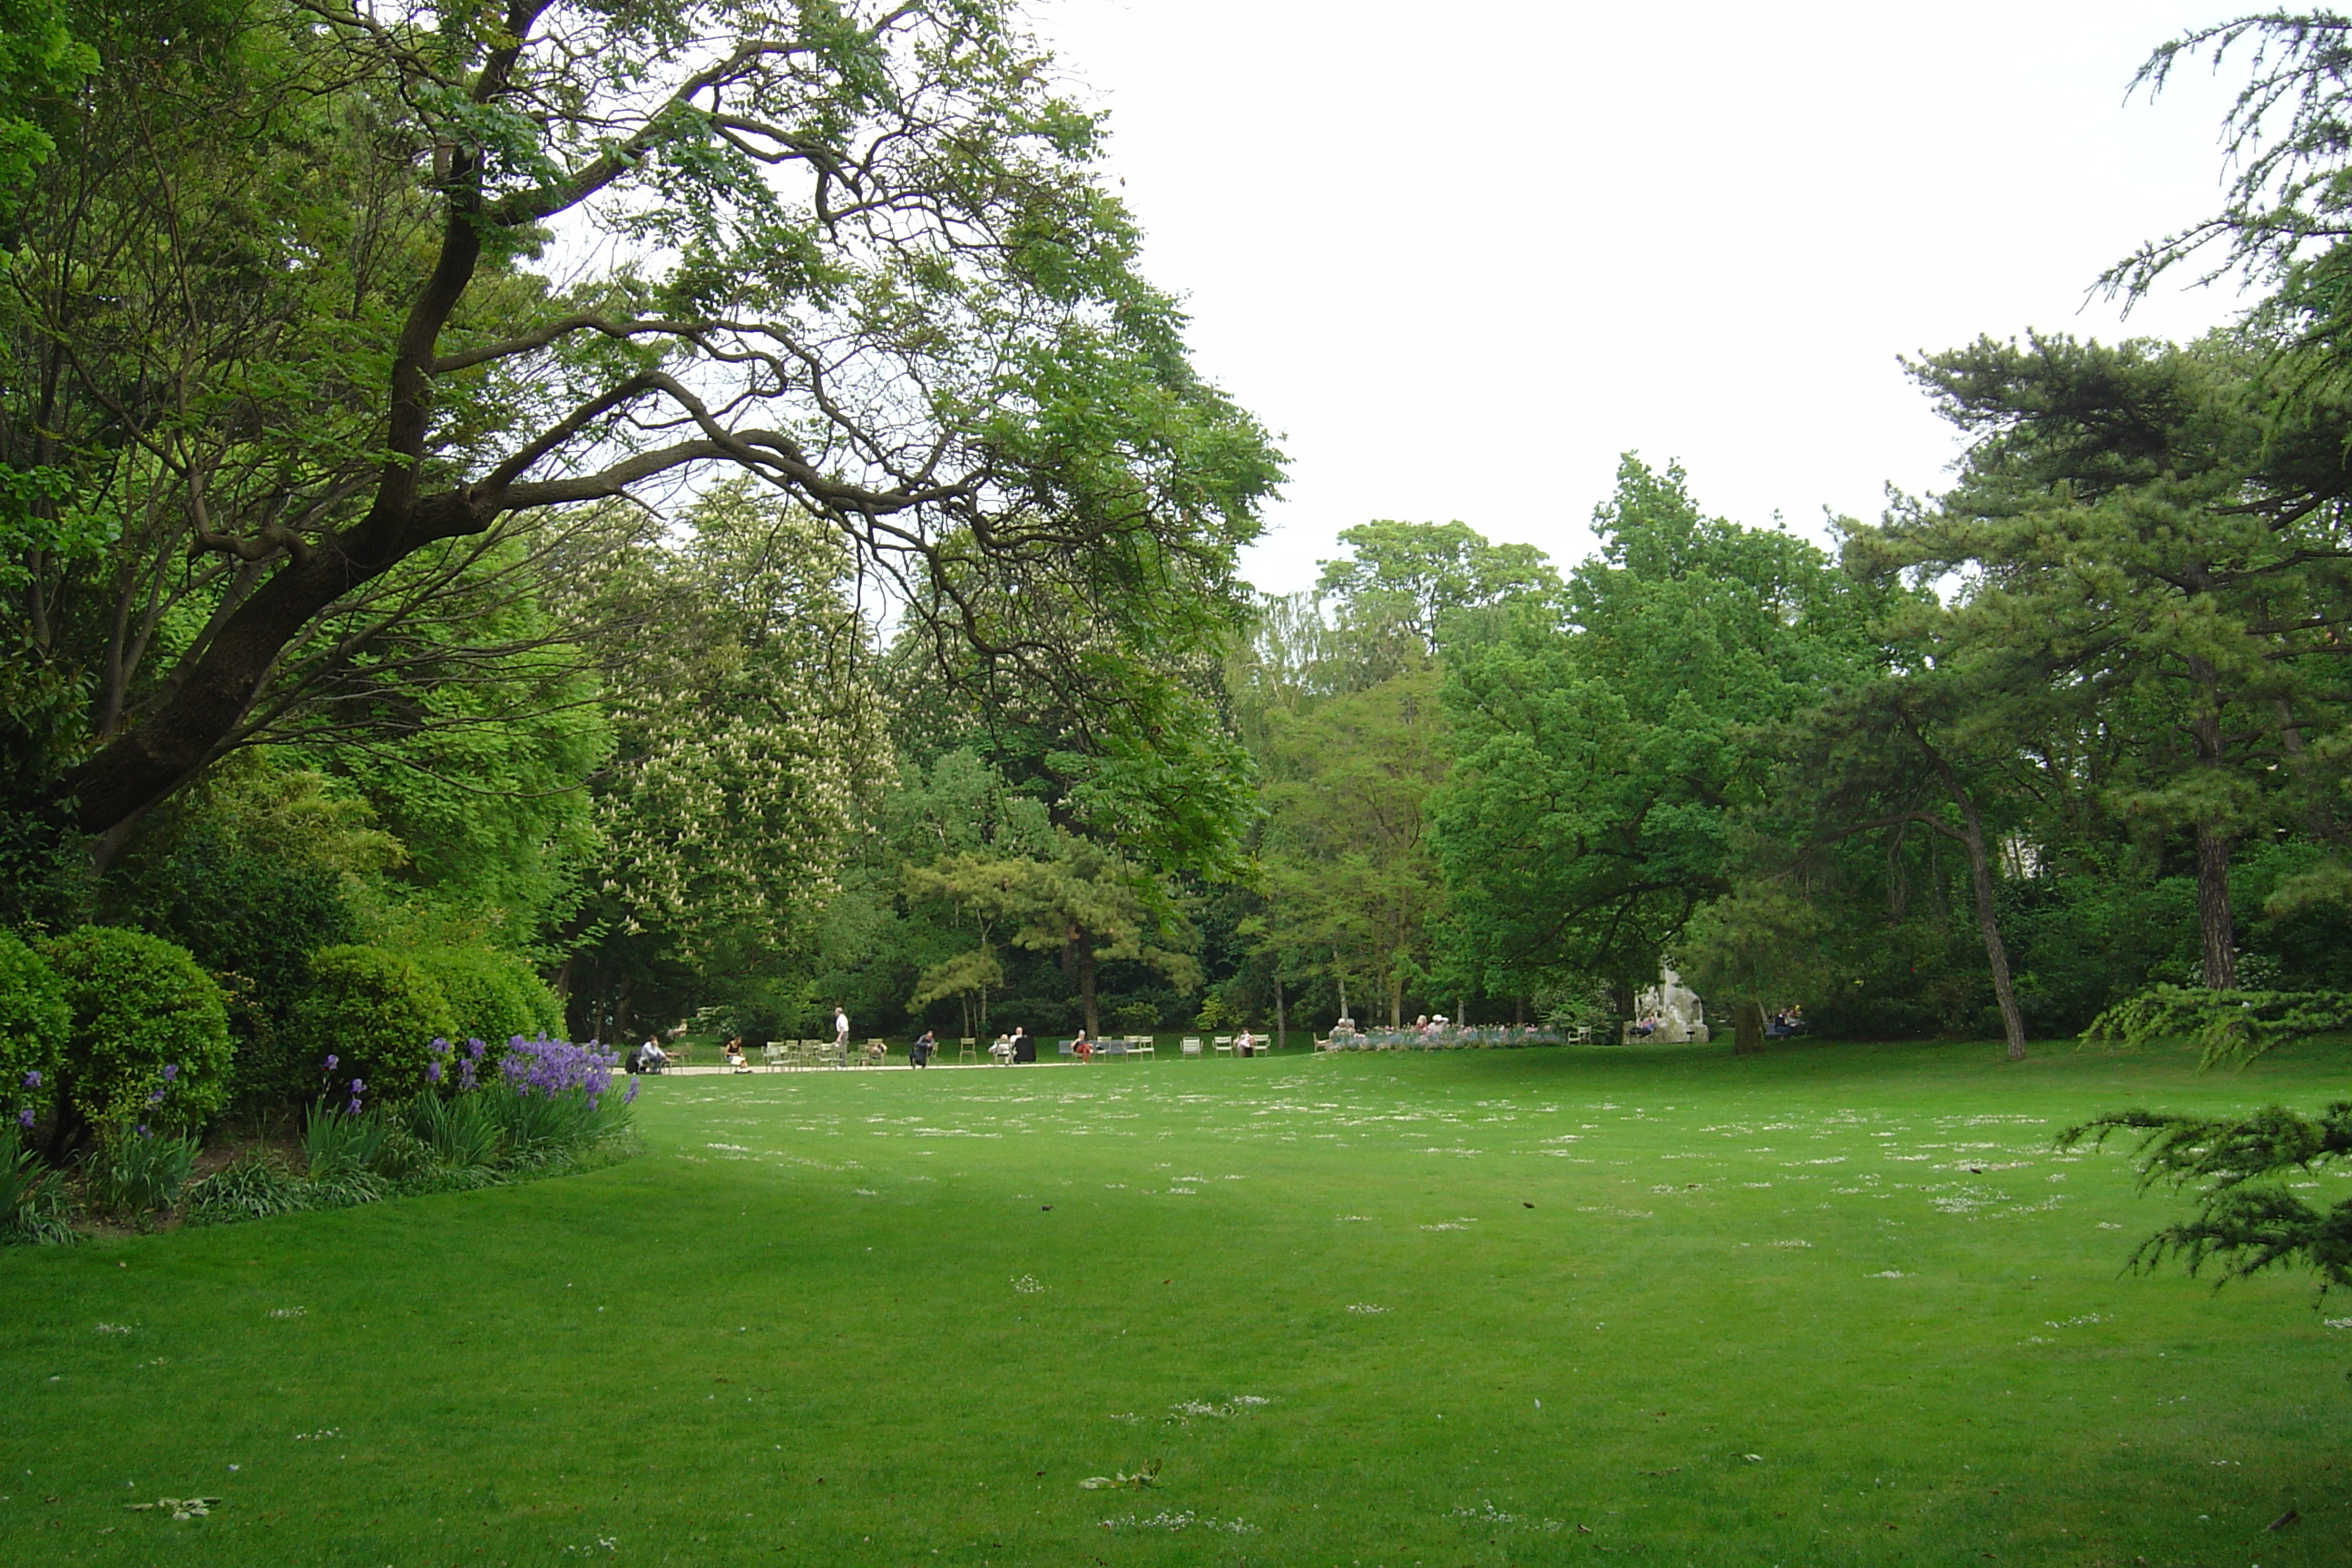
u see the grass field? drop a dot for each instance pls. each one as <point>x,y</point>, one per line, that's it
<point>1840,1304</point>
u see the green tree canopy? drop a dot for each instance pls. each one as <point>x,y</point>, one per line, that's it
<point>869,262</point>
<point>1603,749</point>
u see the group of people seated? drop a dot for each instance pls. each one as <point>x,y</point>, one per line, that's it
<point>1642,1028</point>
<point>1788,1021</point>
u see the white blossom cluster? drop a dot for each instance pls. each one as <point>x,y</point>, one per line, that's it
<point>749,739</point>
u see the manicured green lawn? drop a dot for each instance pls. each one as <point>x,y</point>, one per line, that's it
<point>1519,1306</point>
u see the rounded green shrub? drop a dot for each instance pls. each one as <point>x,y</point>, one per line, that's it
<point>149,1039</point>
<point>374,1014</point>
<point>493,996</point>
<point>34,1023</point>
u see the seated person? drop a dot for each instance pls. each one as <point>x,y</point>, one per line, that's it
<point>1002,1050</point>
<point>735,1055</point>
<point>651,1058</point>
<point>1647,1027</point>
<point>875,1050</point>
<point>1245,1043</point>
<point>1082,1048</point>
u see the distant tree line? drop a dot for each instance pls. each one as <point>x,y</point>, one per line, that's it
<point>728,525</point>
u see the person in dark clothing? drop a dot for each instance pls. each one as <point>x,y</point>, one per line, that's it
<point>919,1053</point>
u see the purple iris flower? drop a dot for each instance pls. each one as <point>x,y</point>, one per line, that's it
<point>24,1119</point>
<point>330,1063</point>
<point>171,1071</point>
<point>143,1132</point>
<point>156,1098</point>
<point>33,1079</point>
<point>433,1072</point>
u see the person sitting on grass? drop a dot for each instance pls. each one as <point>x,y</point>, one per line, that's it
<point>735,1055</point>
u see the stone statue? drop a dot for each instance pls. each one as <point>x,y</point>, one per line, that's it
<point>1681,1016</point>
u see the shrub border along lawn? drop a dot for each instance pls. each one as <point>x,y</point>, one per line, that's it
<point>549,1113</point>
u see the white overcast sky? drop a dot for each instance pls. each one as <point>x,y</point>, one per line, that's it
<point>1461,258</point>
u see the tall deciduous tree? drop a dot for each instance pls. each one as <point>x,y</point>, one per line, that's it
<point>869,265</point>
<point>1604,752</point>
<point>1399,581</point>
<point>1350,879</point>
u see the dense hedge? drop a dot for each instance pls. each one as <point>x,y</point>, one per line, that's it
<point>492,996</point>
<point>148,1039</point>
<point>373,1012</point>
<point>34,1025</point>
<point>240,911</point>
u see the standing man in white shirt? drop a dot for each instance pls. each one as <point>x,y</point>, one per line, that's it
<point>841,1031</point>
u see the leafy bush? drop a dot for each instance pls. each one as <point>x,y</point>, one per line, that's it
<point>148,1040</point>
<point>240,911</point>
<point>252,1186</point>
<point>369,1018</point>
<point>34,1024</point>
<point>491,995</point>
<point>32,1197</point>
<point>137,1171</point>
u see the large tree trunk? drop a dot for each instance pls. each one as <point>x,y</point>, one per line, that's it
<point>1747,1030</point>
<point>2217,935</point>
<point>1396,997</point>
<point>2216,932</point>
<point>1281,1017</point>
